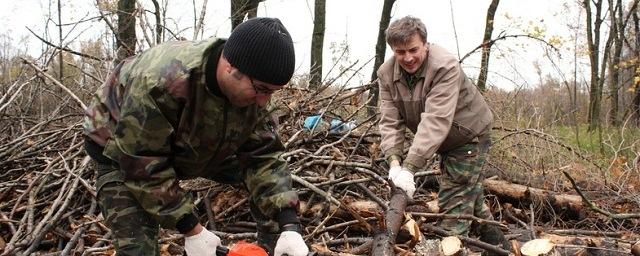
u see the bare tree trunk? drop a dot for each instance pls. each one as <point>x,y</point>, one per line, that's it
<point>60,57</point>
<point>486,45</point>
<point>126,38</point>
<point>636,103</point>
<point>317,44</point>
<point>633,52</point>
<point>253,12</point>
<point>240,8</point>
<point>574,100</point>
<point>617,29</point>
<point>164,20</point>
<point>381,46</point>
<point>593,37</point>
<point>197,28</point>
<point>636,67</point>
<point>159,30</point>
<point>606,59</point>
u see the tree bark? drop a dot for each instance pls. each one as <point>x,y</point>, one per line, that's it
<point>126,38</point>
<point>486,45</point>
<point>385,238</point>
<point>617,29</point>
<point>381,46</point>
<point>158,17</point>
<point>593,42</point>
<point>527,194</point>
<point>635,110</point>
<point>198,22</point>
<point>241,8</point>
<point>60,55</point>
<point>317,44</point>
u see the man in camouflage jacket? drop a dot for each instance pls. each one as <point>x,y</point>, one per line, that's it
<point>194,109</point>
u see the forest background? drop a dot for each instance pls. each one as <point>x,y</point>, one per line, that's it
<point>547,49</point>
<point>562,77</point>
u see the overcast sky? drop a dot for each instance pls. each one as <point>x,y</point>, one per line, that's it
<point>457,25</point>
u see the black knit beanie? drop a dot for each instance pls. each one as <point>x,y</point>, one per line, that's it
<point>262,49</point>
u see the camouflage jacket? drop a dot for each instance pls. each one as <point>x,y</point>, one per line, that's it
<point>157,119</point>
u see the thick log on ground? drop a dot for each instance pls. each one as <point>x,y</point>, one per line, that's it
<point>365,208</point>
<point>385,238</point>
<point>517,192</point>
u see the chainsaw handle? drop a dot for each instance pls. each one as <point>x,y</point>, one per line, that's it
<point>222,251</point>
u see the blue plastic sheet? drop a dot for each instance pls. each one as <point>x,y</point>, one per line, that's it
<point>337,126</point>
<point>311,121</point>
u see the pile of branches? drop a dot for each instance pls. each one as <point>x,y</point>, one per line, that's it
<point>48,199</point>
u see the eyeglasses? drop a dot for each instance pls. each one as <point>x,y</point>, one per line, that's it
<point>261,89</point>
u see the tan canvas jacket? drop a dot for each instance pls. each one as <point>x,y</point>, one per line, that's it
<point>444,110</point>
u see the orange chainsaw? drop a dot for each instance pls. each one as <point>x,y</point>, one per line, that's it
<point>243,248</point>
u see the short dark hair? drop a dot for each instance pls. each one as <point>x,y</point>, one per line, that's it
<point>401,30</point>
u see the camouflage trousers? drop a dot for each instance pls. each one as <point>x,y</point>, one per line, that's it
<point>461,189</point>
<point>135,232</point>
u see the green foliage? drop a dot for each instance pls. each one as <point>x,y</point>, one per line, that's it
<point>616,142</point>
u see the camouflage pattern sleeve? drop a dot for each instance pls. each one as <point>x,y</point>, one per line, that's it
<point>267,177</point>
<point>143,138</point>
<point>104,109</point>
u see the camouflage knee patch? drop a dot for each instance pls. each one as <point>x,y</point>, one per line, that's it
<point>461,187</point>
<point>134,231</point>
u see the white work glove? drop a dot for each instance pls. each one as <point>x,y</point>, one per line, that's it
<point>403,179</point>
<point>292,244</point>
<point>202,244</point>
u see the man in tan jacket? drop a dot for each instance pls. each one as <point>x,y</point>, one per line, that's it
<point>423,88</point>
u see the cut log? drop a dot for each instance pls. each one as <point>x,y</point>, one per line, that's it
<point>495,250</point>
<point>515,247</point>
<point>635,249</point>
<point>522,193</point>
<point>448,246</point>
<point>451,246</point>
<point>412,228</point>
<point>537,247</point>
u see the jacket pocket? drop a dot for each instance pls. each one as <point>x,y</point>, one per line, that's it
<point>107,173</point>
<point>461,164</point>
<point>458,136</point>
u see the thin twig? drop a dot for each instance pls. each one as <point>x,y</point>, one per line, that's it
<point>597,209</point>
<point>56,82</point>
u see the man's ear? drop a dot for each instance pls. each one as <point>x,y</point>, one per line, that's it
<point>224,63</point>
<point>229,69</point>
